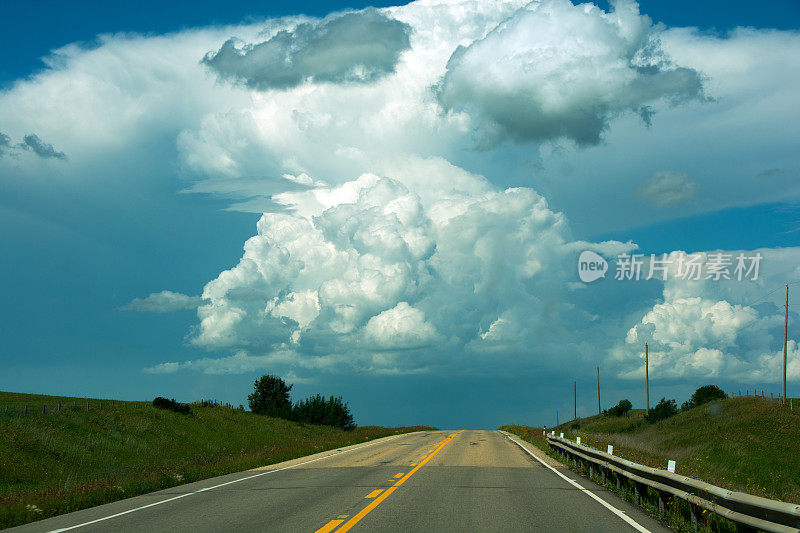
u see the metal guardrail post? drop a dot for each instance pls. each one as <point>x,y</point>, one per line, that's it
<point>662,501</point>
<point>639,492</point>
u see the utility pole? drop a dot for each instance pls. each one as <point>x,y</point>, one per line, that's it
<point>598,391</point>
<point>647,375</point>
<point>557,424</point>
<point>575,389</point>
<point>785,336</point>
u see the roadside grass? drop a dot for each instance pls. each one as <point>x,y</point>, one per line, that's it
<point>63,461</point>
<point>532,435</point>
<point>745,444</point>
<point>35,402</point>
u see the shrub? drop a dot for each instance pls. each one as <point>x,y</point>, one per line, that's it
<point>621,409</point>
<point>271,397</point>
<point>663,410</point>
<point>704,394</point>
<point>317,410</point>
<point>171,405</point>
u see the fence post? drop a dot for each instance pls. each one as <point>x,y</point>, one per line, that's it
<point>59,407</point>
<point>87,406</point>
<point>43,408</point>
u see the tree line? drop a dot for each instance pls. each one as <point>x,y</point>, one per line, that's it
<point>667,408</point>
<point>271,397</point>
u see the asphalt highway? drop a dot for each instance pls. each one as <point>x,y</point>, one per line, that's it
<point>426,481</point>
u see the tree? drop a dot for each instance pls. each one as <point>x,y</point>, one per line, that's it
<point>271,397</point>
<point>663,410</point>
<point>317,410</point>
<point>621,409</point>
<point>159,402</point>
<point>704,394</point>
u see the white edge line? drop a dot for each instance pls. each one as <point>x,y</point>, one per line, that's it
<point>586,491</point>
<point>220,485</point>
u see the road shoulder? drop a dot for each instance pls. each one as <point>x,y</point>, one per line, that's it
<point>631,513</point>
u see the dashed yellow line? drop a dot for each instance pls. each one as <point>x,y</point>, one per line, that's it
<point>372,494</point>
<point>330,526</point>
<point>413,464</point>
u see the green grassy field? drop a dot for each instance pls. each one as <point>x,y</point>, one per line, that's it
<point>745,444</point>
<point>66,460</point>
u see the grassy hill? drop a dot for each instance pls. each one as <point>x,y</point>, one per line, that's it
<point>69,459</point>
<point>746,444</point>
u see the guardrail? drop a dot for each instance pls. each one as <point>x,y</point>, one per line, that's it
<point>748,512</point>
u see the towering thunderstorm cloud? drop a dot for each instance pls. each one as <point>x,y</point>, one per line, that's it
<point>385,242</point>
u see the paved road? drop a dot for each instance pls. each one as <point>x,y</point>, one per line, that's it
<point>426,481</point>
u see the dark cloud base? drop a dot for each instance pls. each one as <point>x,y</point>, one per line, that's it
<point>354,47</point>
<point>30,143</point>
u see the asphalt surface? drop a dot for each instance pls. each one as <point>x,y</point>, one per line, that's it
<point>426,481</point>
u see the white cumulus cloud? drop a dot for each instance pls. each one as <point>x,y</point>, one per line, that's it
<point>555,70</point>
<point>163,302</point>
<point>726,328</point>
<point>367,275</point>
<point>400,327</point>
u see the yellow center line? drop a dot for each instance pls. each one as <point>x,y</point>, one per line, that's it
<point>413,464</point>
<point>401,474</point>
<point>366,510</point>
<point>370,495</point>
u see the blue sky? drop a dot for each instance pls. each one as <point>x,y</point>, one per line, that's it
<point>169,162</point>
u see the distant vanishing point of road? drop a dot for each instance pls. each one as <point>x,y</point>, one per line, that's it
<point>425,481</point>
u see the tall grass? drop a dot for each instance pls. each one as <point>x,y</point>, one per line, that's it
<point>59,462</point>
